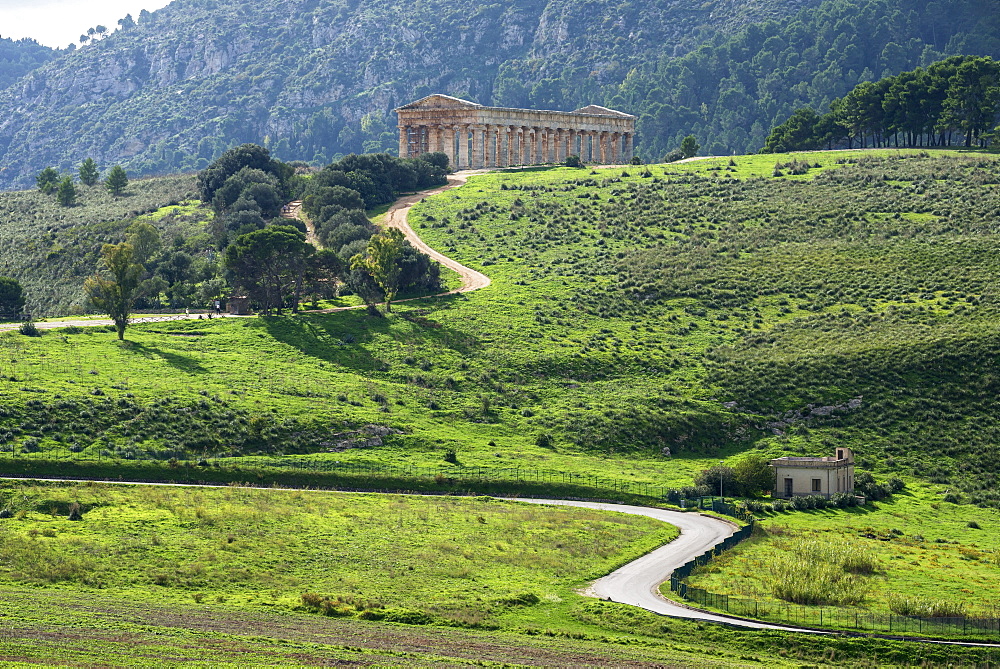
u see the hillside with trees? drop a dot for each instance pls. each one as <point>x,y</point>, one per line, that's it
<point>731,91</point>
<point>182,225</point>
<point>957,99</point>
<point>19,57</point>
<point>314,80</point>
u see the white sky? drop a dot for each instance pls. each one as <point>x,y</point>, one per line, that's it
<point>56,23</point>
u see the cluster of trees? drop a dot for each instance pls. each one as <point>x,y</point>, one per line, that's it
<point>140,271</point>
<point>246,188</point>
<point>18,57</point>
<point>50,181</point>
<point>268,256</point>
<point>731,91</point>
<point>335,199</point>
<point>264,255</point>
<point>922,107</point>
<point>175,274</point>
<point>747,475</point>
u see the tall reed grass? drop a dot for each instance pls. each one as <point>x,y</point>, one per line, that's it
<point>821,573</point>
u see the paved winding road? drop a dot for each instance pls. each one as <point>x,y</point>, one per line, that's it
<point>638,582</point>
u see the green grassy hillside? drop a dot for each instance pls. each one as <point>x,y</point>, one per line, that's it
<point>50,249</point>
<point>704,308</point>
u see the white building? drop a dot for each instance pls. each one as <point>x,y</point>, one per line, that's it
<point>797,477</point>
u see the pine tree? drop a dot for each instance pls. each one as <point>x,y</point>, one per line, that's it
<point>88,172</point>
<point>67,192</point>
<point>47,180</point>
<point>117,180</point>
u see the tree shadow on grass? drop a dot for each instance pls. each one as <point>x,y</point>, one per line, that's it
<point>335,337</point>
<point>182,362</point>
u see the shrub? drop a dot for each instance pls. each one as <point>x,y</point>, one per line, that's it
<point>544,440</point>
<point>895,484</point>
<point>29,329</point>
<point>924,608</point>
<point>451,456</point>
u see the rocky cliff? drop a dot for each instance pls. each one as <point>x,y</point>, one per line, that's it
<point>314,78</point>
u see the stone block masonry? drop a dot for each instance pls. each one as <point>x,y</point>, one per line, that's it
<point>475,137</point>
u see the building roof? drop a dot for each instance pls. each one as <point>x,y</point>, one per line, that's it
<point>441,101</point>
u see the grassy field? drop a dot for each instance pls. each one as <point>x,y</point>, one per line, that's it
<point>155,574</point>
<point>921,556</point>
<point>468,561</point>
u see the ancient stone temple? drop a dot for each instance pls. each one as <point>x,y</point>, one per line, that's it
<point>474,136</point>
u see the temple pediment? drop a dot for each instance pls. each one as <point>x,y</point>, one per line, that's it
<point>439,101</point>
<point>602,111</point>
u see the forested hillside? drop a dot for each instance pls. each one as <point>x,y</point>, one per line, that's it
<point>957,98</point>
<point>314,78</point>
<point>18,57</point>
<point>733,90</point>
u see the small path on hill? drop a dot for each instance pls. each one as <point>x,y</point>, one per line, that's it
<point>396,218</point>
<point>293,210</point>
<point>98,322</point>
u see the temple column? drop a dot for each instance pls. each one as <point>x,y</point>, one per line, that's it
<point>545,146</point>
<point>541,134</point>
<point>524,155</point>
<point>508,139</point>
<point>404,141</point>
<point>603,144</point>
<point>433,138</point>
<point>463,146</point>
<point>448,144</point>
<point>498,145</point>
<point>627,154</point>
<point>478,146</point>
<point>571,143</point>
<point>560,145</point>
<point>585,145</point>
<point>616,142</point>
<point>489,146</point>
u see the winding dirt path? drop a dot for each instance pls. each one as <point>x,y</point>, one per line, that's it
<point>396,218</point>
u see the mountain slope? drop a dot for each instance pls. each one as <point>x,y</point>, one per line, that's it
<point>731,92</point>
<point>313,78</point>
<point>18,57</point>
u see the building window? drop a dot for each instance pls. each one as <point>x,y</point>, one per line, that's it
<point>817,483</point>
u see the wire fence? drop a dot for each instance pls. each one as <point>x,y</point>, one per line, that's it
<point>816,616</point>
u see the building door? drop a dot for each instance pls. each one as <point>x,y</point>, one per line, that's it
<point>788,487</point>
